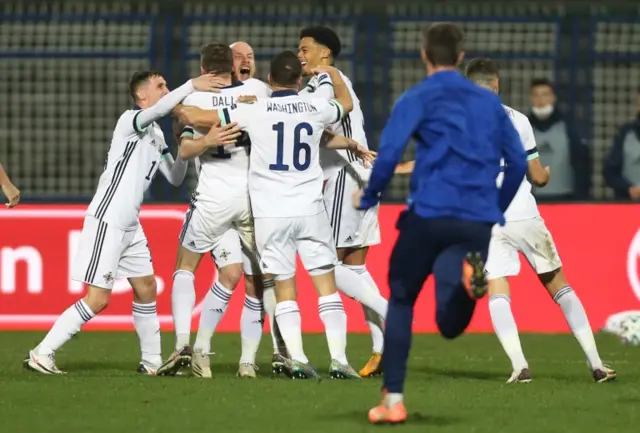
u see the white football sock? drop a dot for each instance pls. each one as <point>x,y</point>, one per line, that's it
<point>213,308</point>
<point>65,327</point>
<point>374,320</point>
<point>335,325</point>
<point>183,299</point>
<point>290,324</point>
<point>269,301</point>
<point>376,328</point>
<point>579,323</point>
<point>145,319</point>
<point>393,398</point>
<point>506,329</point>
<point>250,329</point>
<point>356,287</point>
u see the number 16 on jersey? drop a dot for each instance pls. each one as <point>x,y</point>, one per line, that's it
<point>301,151</point>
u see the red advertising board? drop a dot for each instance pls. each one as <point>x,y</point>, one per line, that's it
<point>598,243</point>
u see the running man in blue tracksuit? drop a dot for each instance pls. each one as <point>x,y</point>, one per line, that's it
<point>461,132</point>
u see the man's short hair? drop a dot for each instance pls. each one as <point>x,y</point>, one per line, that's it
<point>138,79</point>
<point>481,69</point>
<point>443,43</point>
<point>323,36</point>
<point>541,82</point>
<point>216,58</point>
<point>286,69</point>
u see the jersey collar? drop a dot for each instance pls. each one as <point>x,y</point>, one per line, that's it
<point>136,107</point>
<point>234,84</point>
<point>282,93</point>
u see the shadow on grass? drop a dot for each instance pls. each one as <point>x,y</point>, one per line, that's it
<point>414,418</point>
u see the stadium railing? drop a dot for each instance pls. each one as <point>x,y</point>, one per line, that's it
<point>65,78</point>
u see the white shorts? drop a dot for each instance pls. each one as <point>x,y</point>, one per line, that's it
<point>225,229</point>
<point>106,253</point>
<point>530,237</point>
<point>279,239</point>
<point>351,228</point>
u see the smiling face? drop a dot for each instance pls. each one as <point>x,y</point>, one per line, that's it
<point>312,54</point>
<point>244,64</point>
<point>151,91</point>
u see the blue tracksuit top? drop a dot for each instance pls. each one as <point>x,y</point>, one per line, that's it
<point>461,132</point>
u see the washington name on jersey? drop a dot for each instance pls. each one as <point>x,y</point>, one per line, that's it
<point>224,170</point>
<point>132,162</point>
<point>285,178</point>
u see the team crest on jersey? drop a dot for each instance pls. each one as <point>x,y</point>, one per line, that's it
<point>108,277</point>
<point>224,254</point>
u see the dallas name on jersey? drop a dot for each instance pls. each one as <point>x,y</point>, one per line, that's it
<point>132,162</point>
<point>225,168</point>
<point>351,126</point>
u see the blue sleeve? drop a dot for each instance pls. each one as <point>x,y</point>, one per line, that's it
<point>613,165</point>
<point>407,115</point>
<point>515,159</point>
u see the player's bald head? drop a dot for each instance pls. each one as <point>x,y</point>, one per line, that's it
<point>243,60</point>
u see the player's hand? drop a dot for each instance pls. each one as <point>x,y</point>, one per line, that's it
<point>223,135</point>
<point>357,196</point>
<point>246,99</point>
<point>634,192</point>
<point>12,194</point>
<point>548,170</point>
<point>207,83</point>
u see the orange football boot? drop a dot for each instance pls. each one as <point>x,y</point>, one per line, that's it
<point>373,367</point>
<point>382,414</point>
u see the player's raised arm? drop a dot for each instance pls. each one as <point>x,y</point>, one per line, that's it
<point>515,159</point>
<point>8,189</point>
<point>404,121</point>
<point>218,136</point>
<point>196,117</point>
<point>168,102</point>
<point>340,89</point>
<point>539,175</point>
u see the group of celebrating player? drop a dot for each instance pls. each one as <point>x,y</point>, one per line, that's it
<point>297,192</point>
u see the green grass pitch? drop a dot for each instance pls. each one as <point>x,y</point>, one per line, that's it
<point>453,386</point>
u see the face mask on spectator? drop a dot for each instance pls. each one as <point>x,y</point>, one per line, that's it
<point>544,111</point>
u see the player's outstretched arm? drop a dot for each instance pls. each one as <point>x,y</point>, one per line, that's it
<point>339,142</point>
<point>173,170</point>
<point>340,89</point>
<point>168,102</point>
<point>8,189</point>
<point>217,136</point>
<point>515,159</point>
<point>196,117</point>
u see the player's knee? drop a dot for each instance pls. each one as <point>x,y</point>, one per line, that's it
<point>230,275</point>
<point>145,289</point>
<point>448,328</point>
<point>97,298</point>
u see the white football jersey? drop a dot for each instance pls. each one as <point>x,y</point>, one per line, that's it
<point>352,126</point>
<point>132,162</point>
<point>285,177</point>
<point>223,171</point>
<point>523,206</point>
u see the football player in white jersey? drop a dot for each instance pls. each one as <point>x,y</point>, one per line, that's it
<point>244,65</point>
<point>354,231</point>
<point>285,183</point>
<point>112,243</point>
<point>525,232</point>
<point>218,221</point>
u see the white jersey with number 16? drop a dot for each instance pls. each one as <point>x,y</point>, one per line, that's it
<point>285,178</point>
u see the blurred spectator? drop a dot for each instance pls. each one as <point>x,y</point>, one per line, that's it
<point>559,147</point>
<point>622,167</point>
